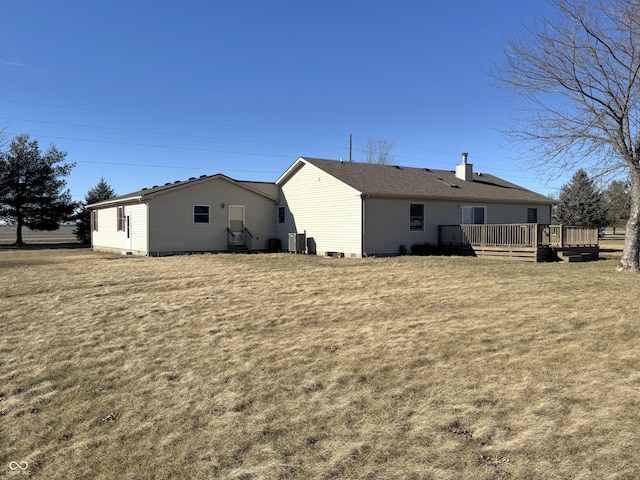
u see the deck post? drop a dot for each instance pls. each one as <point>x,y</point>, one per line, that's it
<point>561,233</point>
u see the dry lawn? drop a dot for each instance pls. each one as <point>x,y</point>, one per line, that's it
<point>296,367</point>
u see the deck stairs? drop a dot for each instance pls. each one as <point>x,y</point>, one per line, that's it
<point>239,248</point>
<point>571,256</point>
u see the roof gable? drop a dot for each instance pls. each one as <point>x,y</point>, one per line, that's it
<point>149,193</point>
<point>410,182</point>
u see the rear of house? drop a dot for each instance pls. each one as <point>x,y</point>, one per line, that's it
<point>197,215</point>
<point>356,209</point>
<point>336,208</point>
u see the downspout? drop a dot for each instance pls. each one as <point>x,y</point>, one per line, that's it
<point>363,224</point>
<point>147,229</point>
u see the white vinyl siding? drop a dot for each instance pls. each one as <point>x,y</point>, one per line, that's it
<point>172,227</point>
<point>324,208</point>
<point>108,237</point>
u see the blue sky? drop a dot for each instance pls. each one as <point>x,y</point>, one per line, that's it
<point>144,93</point>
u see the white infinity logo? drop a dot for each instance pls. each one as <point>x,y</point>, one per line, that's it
<point>18,465</point>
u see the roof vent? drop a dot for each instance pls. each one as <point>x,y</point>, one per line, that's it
<point>168,183</point>
<point>155,186</point>
<point>202,176</point>
<point>144,188</point>
<point>177,181</point>
<point>192,178</point>
<point>447,183</point>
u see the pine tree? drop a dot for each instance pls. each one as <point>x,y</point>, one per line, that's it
<point>102,191</point>
<point>618,198</point>
<point>31,187</point>
<point>580,203</point>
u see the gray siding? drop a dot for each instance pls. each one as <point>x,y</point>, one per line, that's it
<point>387,221</point>
<point>387,224</point>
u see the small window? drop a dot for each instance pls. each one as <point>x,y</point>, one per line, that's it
<point>280,214</point>
<point>121,224</point>
<point>416,216</point>
<point>201,214</point>
<point>532,215</point>
<point>94,220</point>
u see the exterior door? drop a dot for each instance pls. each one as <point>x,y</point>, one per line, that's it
<point>236,222</point>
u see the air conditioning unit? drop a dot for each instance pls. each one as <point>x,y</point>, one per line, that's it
<point>297,243</point>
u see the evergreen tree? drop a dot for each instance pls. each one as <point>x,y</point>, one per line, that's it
<point>580,203</point>
<point>31,186</point>
<point>618,198</point>
<point>102,191</point>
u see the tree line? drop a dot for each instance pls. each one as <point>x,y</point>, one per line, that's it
<point>33,191</point>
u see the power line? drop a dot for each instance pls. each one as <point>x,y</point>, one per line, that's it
<point>159,117</point>
<point>186,135</point>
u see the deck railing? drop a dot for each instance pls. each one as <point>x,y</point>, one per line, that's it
<point>517,235</point>
<point>563,236</point>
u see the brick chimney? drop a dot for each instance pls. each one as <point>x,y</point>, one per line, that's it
<point>464,170</point>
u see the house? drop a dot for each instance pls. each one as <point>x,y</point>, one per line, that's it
<point>359,209</point>
<point>334,208</point>
<point>203,214</point>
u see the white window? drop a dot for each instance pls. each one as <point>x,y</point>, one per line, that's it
<point>474,215</point>
<point>121,222</point>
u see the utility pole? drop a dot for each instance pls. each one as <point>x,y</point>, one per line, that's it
<point>350,147</point>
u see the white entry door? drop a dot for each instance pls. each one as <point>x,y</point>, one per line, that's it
<point>236,222</point>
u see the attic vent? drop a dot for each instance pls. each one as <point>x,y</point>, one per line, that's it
<point>398,167</point>
<point>192,178</point>
<point>144,188</point>
<point>177,181</point>
<point>427,169</point>
<point>447,183</point>
<point>168,183</point>
<point>202,176</point>
<point>155,186</point>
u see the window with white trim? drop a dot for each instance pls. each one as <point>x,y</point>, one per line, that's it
<point>201,214</point>
<point>121,219</point>
<point>474,215</point>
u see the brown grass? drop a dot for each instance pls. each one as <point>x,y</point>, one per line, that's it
<point>285,366</point>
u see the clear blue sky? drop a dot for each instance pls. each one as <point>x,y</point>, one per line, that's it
<point>144,93</point>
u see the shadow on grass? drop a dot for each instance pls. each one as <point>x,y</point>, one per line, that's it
<point>43,246</point>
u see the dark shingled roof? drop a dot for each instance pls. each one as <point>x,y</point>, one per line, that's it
<point>397,181</point>
<point>146,192</point>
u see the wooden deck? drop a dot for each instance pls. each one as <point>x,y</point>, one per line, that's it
<point>530,242</point>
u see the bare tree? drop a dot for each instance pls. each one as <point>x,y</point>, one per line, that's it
<point>378,152</point>
<point>580,73</point>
